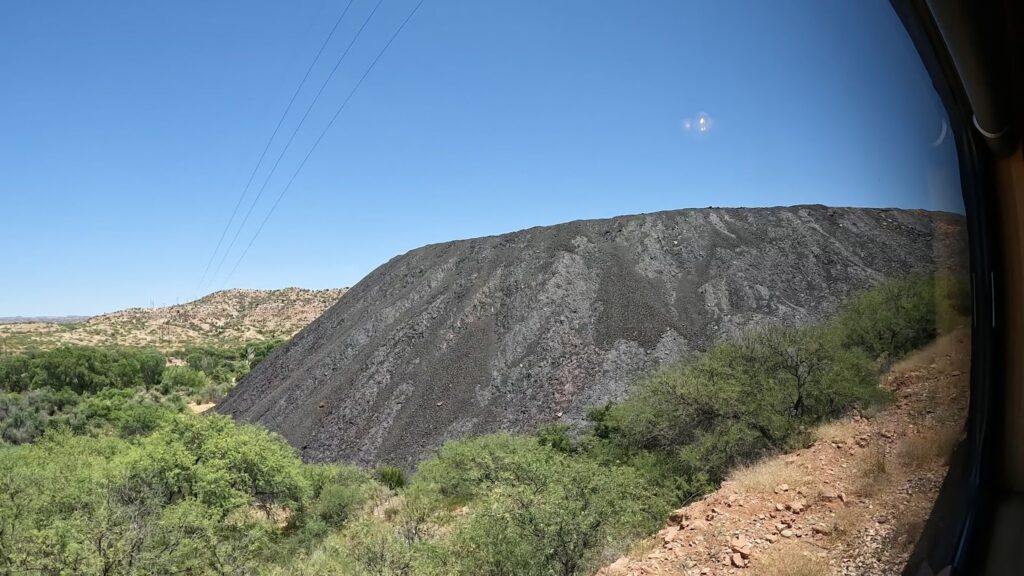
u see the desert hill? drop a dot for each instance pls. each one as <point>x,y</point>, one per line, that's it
<point>222,318</point>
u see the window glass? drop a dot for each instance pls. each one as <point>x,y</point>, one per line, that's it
<point>584,288</point>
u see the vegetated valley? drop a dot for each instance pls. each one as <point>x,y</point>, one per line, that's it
<point>722,336</point>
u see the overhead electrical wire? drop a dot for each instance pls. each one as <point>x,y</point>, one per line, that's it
<point>291,139</point>
<point>273,135</point>
<point>322,134</point>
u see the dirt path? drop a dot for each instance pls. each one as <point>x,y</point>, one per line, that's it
<point>200,408</point>
<point>852,503</point>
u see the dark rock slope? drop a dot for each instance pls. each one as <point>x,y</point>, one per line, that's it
<point>508,332</point>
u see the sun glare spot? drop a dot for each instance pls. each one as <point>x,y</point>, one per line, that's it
<point>699,125</point>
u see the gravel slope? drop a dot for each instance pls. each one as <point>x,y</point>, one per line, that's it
<point>508,332</point>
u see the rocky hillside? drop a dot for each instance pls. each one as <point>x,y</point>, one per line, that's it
<point>221,318</point>
<point>853,502</point>
<point>508,332</point>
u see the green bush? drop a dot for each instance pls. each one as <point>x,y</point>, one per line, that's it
<point>391,476</point>
<point>555,514</point>
<point>227,365</point>
<point>126,413</point>
<point>535,509</point>
<point>339,492</point>
<point>465,469</point>
<point>81,505</point>
<point>556,436</point>
<point>26,416</point>
<point>183,378</point>
<point>222,464</point>
<point>81,369</point>
<point>898,316</point>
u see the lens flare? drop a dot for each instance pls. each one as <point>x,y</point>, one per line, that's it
<point>699,125</point>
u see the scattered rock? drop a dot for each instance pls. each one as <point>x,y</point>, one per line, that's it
<point>669,534</point>
<point>618,567</point>
<point>679,516</point>
<point>740,546</point>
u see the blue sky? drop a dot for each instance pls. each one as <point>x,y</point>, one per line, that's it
<point>128,130</point>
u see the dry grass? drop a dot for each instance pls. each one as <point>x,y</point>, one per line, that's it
<point>846,521</point>
<point>924,449</point>
<point>765,476</point>
<point>837,431</point>
<point>872,473</point>
<point>907,529</point>
<point>790,560</point>
<point>643,547</point>
<point>936,351</point>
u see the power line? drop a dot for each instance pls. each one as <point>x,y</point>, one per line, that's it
<point>320,137</point>
<point>291,138</point>
<point>266,148</point>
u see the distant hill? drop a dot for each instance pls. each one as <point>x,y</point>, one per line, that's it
<point>41,319</point>
<point>222,318</point>
<point>513,331</point>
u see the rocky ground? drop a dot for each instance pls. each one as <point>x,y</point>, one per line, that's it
<point>852,503</point>
<point>227,317</point>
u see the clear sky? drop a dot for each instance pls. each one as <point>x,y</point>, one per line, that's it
<point>128,129</point>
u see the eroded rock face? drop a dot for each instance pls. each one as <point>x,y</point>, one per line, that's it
<point>508,332</point>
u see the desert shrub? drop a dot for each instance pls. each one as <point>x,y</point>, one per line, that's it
<point>465,469</point>
<point>533,509</point>
<point>78,504</point>
<point>212,392</point>
<point>26,416</point>
<point>567,516</point>
<point>81,369</point>
<point>556,437</point>
<point>892,318</point>
<point>226,365</point>
<point>183,378</point>
<point>338,492</point>
<point>151,368</point>
<point>391,476</point>
<point>377,549</point>
<point>223,465</point>
<point>123,412</point>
